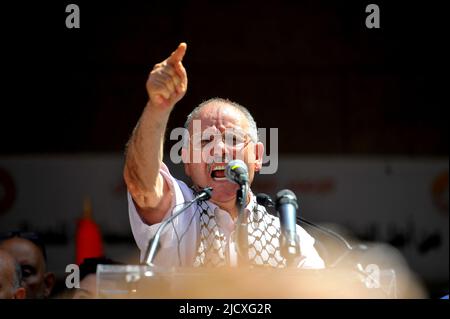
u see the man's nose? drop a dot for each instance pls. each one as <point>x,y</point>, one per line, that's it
<point>221,151</point>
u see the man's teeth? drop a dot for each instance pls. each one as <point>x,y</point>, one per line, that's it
<point>221,176</point>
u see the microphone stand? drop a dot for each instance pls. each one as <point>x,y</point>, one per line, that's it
<point>153,245</point>
<point>242,227</point>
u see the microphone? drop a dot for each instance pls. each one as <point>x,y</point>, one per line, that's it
<point>153,245</point>
<point>266,201</point>
<point>237,171</point>
<point>286,205</point>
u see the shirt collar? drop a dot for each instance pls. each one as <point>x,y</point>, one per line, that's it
<point>249,208</point>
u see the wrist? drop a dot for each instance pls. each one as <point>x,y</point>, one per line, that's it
<point>156,112</point>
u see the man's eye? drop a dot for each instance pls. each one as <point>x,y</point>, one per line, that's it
<point>235,139</point>
<point>205,142</point>
<point>27,272</point>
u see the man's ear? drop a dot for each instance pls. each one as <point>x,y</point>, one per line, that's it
<point>259,153</point>
<point>20,293</point>
<point>49,281</point>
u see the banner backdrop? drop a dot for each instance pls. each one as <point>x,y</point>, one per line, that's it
<point>400,201</point>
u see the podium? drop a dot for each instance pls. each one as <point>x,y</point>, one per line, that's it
<point>136,282</point>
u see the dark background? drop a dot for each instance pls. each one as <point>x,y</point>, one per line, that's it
<point>312,68</point>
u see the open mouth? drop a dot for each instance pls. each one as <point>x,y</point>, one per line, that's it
<point>218,173</point>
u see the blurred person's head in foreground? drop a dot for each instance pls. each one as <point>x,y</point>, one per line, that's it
<point>29,251</point>
<point>10,277</point>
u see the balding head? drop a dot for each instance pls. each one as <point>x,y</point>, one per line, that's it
<point>251,126</point>
<point>37,281</point>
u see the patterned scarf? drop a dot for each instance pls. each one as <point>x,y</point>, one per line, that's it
<point>263,239</point>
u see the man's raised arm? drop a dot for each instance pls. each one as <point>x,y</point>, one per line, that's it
<point>166,85</point>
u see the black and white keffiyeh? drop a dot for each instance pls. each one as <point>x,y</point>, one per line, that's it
<point>263,238</point>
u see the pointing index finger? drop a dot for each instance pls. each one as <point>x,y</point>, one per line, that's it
<point>178,54</point>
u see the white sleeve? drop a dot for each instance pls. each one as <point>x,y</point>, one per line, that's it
<point>143,232</point>
<point>311,258</point>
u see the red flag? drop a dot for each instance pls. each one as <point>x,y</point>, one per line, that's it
<point>88,239</point>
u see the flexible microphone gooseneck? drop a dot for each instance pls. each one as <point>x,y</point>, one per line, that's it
<point>153,244</point>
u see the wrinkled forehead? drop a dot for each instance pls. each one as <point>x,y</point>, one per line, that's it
<point>219,116</point>
<point>7,262</point>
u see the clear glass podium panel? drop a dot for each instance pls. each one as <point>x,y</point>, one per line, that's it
<point>136,281</point>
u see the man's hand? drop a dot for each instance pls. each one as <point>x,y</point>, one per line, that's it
<point>167,82</point>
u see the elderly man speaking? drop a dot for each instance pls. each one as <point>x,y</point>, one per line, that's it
<point>203,235</point>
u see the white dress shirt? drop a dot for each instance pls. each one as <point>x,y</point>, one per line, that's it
<point>179,240</point>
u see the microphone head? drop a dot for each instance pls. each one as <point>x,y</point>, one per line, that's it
<point>237,171</point>
<point>205,193</point>
<point>286,196</point>
<point>264,200</point>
